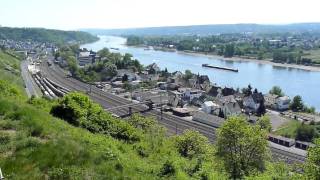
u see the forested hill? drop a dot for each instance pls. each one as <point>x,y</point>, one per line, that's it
<point>45,35</point>
<point>210,29</point>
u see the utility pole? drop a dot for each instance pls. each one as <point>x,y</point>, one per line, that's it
<point>176,128</point>
<point>161,111</point>
<point>1,176</point>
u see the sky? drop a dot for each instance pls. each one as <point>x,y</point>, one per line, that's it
<point>108,14</point>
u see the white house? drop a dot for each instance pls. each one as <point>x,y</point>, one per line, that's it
<point>283,103</point>
<point>253,101</point>
<point>209,106</point>
<point>190,94</point>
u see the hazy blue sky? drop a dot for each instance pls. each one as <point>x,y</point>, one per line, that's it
<point>75,14</point>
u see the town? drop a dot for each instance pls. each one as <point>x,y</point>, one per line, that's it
<point>192,97</point>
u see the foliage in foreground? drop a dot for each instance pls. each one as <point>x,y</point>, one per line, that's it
<point>242,147</point>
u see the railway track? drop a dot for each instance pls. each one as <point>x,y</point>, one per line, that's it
<point>174,125</point>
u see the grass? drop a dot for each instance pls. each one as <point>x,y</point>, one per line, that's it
<point>288,129</point>
<point>10,71</point>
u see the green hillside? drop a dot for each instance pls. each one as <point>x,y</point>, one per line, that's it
<point>45,35</point>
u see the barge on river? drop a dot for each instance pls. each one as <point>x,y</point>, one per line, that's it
<point>218,67</point>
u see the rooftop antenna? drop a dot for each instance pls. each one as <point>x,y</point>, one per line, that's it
<point>1,176</point>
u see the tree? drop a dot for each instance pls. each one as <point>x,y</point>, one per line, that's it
<point>247,91</point>
<point>264,123</point>
<point>72,64</point>
<point>109,70</point>
<point>262,108</point>
<point>229,50</point>
<point>297,104</point>
<point>242,147</point>
<point>104,52</point>
<point>312,166</point>
<point>276,90</point>
<point>305,133</point>
<point>125,78</point>
<point>221,114</point>
<point>188,74</point>
<point>192,143</point>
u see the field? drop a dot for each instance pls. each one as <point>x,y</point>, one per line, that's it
<point>288,129</point>
<point>314,55</point>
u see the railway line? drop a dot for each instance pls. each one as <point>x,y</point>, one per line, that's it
<point>174,125</point>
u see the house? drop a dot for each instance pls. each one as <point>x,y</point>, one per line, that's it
<point>152,68</point>
<point>156,97</point>
<point>87,57</point>
<point>278,103</point>
<point>190,94</point>
<point>252,102</point>
<point>174,98</point>
<point>270,101</point>
<point>283,103</point>
<point>208,119</point>
<point>172,86</point>
<point>200,82</point>
<point>131,76</point>
<point>182,112</point>
<point>229,106</point>
<point>209,106</point>
<point>226,91</point>
<point>84,58</point>
<point>175,77</point>
<point>149,77</point>
<point>215,91</point>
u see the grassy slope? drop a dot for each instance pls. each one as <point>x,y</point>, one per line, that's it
<point>10,70</point>
<point>289,129</point>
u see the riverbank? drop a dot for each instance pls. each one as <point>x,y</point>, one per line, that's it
<point>240,59</point>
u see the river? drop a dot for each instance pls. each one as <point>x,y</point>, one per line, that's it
<point>261,76</point>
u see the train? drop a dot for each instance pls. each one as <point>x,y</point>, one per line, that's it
<point>288,142</point>
<point>216,122</point>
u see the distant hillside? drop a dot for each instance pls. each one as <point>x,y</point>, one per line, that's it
<point>210,29</point>
<point>45,35</point>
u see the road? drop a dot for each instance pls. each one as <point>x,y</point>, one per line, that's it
<point>174,124</point>
<point>30,85</point>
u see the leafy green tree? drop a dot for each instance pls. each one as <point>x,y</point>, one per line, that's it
<point>276,90</point>
<point>242,147</point>
<point>79,110</point>
<point>72,64</point>
<point>103,52</point>
<point>229,50</point>
<point>188,74</point>
<point>109,70</point>
<point>312,166</point>
<point>264,123</point>
<point>305,133</point>
<point>297,104</point>
<point>192,143</point>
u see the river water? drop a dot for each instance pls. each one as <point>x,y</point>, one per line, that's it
<point>261,76</point>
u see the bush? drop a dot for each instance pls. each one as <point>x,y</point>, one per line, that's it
<point>305,133</point>
<point>79,110</point>
<point>192,143</point>
<point>167,169</point>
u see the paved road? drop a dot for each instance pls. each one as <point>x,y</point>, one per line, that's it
<point>175,125</point>
<point>30,85</point>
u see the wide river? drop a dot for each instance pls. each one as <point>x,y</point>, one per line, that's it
<point>261,76</point>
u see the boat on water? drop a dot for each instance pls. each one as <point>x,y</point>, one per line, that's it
<point>218,67</point>
<point>114,48</point>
